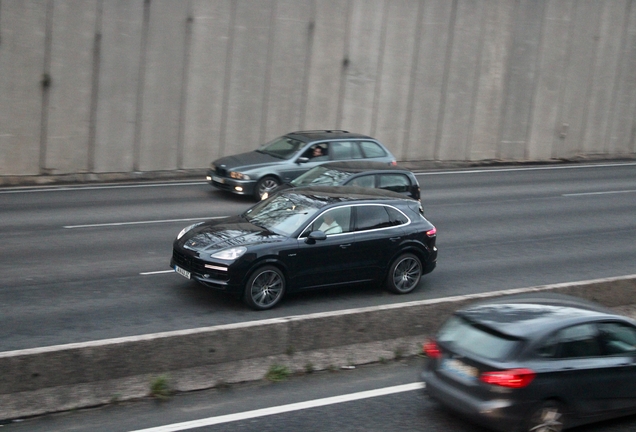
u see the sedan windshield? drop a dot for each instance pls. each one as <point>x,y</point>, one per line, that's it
<point>320,176</point>
<point>283,214</point>
<point>282,147</point>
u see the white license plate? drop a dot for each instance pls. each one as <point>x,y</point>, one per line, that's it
<point>460,368</point>
<point>218,179</point>
<point>182,272</point>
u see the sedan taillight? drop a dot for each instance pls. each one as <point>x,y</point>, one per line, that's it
<point>511,378</point>
<point>431,349</point>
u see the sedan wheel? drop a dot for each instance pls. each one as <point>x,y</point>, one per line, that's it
<point>548,417</point>
<point>404,274</point>
<point>264,288</point>
<point>266,184</point>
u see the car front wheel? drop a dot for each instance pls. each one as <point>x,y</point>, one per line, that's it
<point>547,417</point>
<point>264,288</point>
<point>404,274</point>
<point>266,184</point>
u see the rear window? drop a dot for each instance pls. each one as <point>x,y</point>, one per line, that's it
<point>458,333</point>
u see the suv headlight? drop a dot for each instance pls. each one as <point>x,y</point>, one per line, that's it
<point>239,176</point>
<point>230,254</point>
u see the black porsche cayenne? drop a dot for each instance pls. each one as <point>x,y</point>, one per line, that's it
<point>310,238</point>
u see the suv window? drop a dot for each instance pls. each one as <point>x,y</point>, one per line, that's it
<point>395,182</point>
<point>370,217</point>
<point>371,149</point>
<point>481,341</point>
<point>572,342</point>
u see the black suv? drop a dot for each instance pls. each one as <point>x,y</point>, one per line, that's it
<point>285,158</point>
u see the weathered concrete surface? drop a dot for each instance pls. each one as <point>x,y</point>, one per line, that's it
<point>39,380</point>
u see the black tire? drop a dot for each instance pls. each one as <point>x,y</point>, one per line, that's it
<point>548,416</point>
<point>266,184</point>
<point>404,274</point>
<point>265,288</point>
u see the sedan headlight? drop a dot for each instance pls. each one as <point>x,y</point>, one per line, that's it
<point>230,254</point>
<point>186,229</point>
<point>239,176</point>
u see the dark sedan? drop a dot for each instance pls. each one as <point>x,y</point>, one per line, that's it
<point>310,238</point>
<point>285,158</point>
<point>358,173</point>
<point>536,363</point>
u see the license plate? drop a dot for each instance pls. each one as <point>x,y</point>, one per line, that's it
<point>218,179</point>
<point>182,272</point>
<point>460,368</point>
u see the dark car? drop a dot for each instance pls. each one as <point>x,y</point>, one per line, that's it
<point>285,158</point>
<point>357,173</point>
<point>535,363</point>
<point>310,238</point>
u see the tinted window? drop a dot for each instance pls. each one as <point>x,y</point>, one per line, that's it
<point>395,182</point>
<point>333,221</point>
<point>371,217</point>
<point>460,333</point>
<point>282,147</point>
<point>617,338</point>
<point>343,150</point>
<point>396,217</point>
<point>372,149</point>
<point>572,342</point>
<point>363,181</point>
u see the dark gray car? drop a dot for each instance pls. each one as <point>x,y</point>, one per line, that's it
<point>285,158</point>
<point>539,363</point>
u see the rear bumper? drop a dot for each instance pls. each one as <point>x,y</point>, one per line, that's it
<point>501,414</point>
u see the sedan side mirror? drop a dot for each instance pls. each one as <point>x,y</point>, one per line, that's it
<point>302,159</point>
<point>315,235</point>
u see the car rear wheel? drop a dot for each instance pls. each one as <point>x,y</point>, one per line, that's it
<point>547,417</point>
<point>404,274</point>
<point>264,288</point>
<point>266,184</point>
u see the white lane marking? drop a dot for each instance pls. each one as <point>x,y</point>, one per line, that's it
<point>156,272</point>
<point>30,189</point>
<point>141,222</point>
<point>534,168</point>
<point>284,408</point>
<point>598,193</point>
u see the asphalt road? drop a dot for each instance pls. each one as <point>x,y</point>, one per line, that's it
<point>342,400</point>
<point>91,262</point>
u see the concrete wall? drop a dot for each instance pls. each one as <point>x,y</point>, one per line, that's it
<point>40,380</point>
<point>107,86</point>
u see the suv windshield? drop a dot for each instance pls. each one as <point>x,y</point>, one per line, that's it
<point>471,338</point>
<point>320,175</point>
<point>283,214</point>
<point>282,147</point>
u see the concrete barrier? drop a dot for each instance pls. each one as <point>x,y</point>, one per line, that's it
<point>48,379</point>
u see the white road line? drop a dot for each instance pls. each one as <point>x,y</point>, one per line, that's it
<point>284,408</point>
<point>533,168</point>
<point>141,222</point>
<point>598,193</point>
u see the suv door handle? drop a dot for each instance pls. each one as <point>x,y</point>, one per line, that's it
<point>344,246</point>
<point>394,239</point>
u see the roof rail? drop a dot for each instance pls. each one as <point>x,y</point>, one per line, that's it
<point>321,131</point>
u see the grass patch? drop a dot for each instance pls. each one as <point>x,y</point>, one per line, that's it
<point>160,387</point>
<point>277,373</point>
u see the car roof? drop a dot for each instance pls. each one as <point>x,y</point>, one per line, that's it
<point>530,315</point>
<point>363,166</point>
<point>349,193</point>
<point>322,135</point>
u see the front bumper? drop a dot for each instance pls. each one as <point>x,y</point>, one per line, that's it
<point>220,277</point>
<point>501,414</point>
<point>240,187</point>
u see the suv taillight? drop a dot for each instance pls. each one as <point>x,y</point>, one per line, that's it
<point>431,232</point>
<point>511,378</point>
<point>431,349</point>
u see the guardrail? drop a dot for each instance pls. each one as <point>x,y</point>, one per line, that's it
<point>56,378</point>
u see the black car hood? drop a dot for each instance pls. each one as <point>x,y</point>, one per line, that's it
<point>253,159</point>
<point>222,234</point>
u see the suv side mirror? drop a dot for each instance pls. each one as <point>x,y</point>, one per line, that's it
<point>315,235</point>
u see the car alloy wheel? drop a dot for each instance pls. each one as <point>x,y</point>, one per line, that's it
<point>266,184</point>
<point>404,274</point>
<point>548,417</point>
<point>264,288</point>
